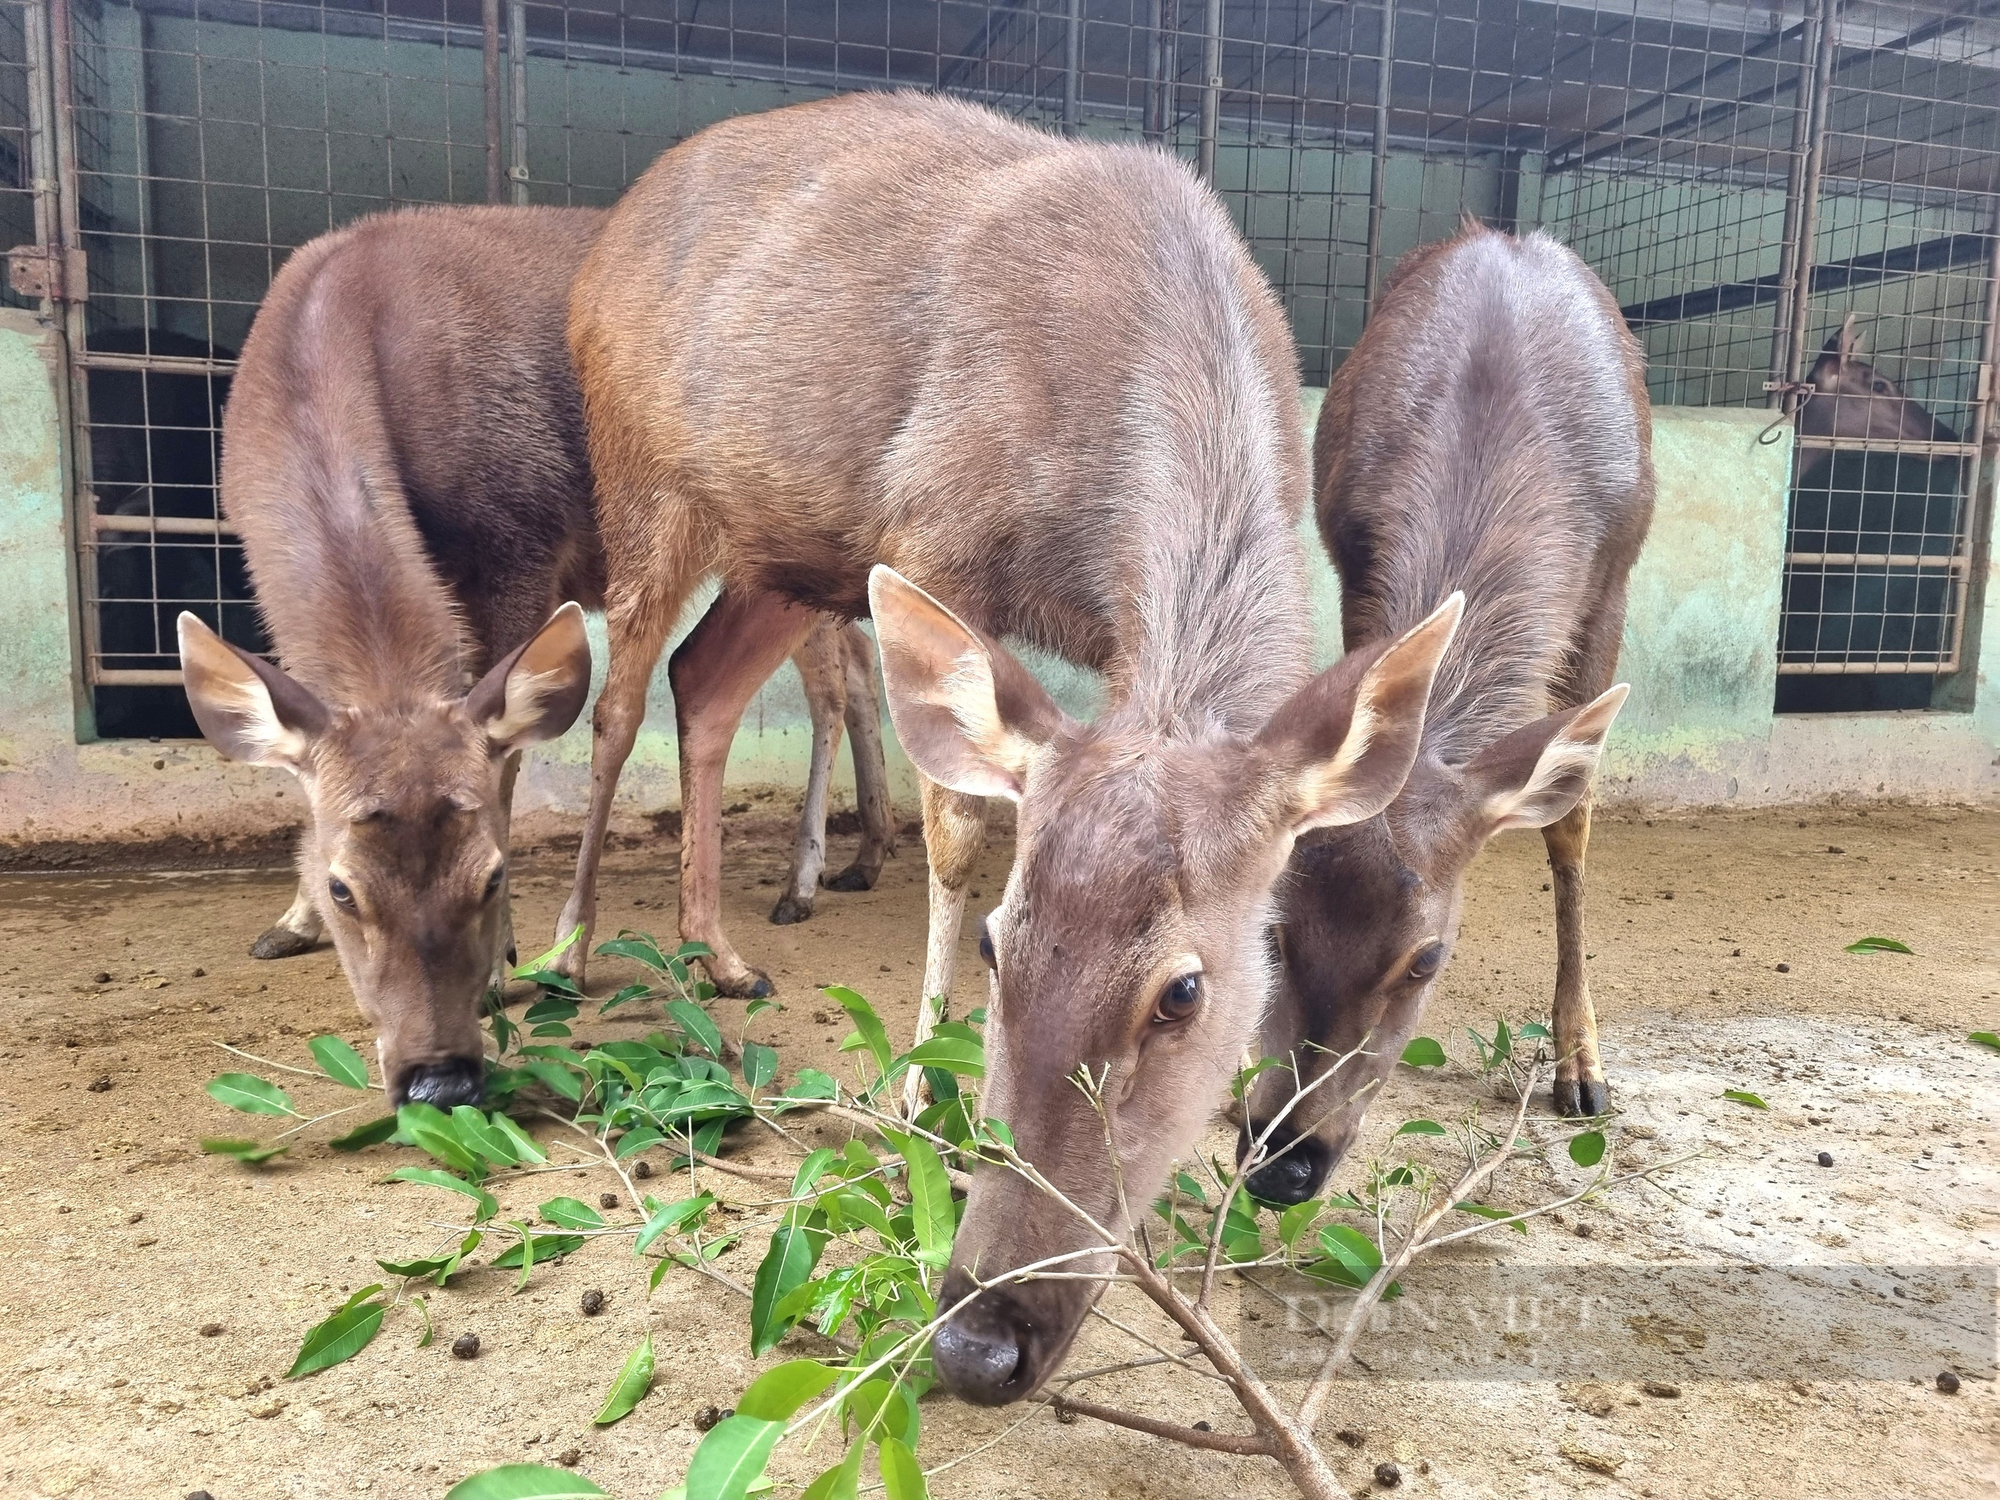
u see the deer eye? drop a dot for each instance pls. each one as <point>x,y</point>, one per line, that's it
<point>1178,1001</point>
<point>342,896</point>
<point>1881,387</point>
<point>986,948</point>
<point>493,882</point>
<point>1427,962</point>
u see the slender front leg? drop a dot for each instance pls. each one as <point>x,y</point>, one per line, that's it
<point>505,956</point>
<point>871,771</point>
<point>823,671</point>
<point>636,625</point>
<point>297,931</point>
<point>717,670</point>
<point>954,833</point>
<point>1579,1087</point>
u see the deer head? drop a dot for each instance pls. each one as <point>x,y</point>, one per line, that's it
<point>405,838</point>
<point>1367,920</point>
<point>1853,399</point>
<point>1130,943</point>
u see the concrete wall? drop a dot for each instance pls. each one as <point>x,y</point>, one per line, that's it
<point>1699,651</point>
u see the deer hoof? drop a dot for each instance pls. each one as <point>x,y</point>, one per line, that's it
<point>750,985</point>
<point>282,942</point>
<point>1581,1098</point>
<point>790,909</point>
<point>853,878</point>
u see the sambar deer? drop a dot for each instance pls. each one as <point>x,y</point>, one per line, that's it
<point>404,460</point>
<point>1852,399</point>
<point>1490,433</point>
<point>898,355</point>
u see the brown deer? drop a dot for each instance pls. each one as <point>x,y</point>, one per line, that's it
<point>899,355</point>
<point>405,463</point>
<point>1490,433</point>
<point>1852,399</point>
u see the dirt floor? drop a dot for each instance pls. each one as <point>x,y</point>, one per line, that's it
<point>1718,964</point>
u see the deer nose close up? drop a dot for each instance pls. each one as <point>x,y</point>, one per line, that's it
<point>1294,1176</point>
<point>982,1354</point>
<point>456,1080</point>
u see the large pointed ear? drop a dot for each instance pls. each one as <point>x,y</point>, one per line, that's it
<point>1535,775</point>
<point>536,691</point>
<point>1345,741</point>
<point>247,708</point>
<point>1846,344</point>
<point>968,714</point>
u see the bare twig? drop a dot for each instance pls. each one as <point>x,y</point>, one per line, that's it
<point>1253,1446</point>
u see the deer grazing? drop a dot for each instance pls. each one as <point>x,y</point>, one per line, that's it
<point>405,462</point>
<point>898,355</point>
<point>1490,433</point>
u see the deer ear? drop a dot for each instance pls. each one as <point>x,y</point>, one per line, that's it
<point>1535,775</point>
<point>968,714</point>
<point>537,690</point>
<point>1848,344</point>
<point>247,708</point>
<point>1345,741</point>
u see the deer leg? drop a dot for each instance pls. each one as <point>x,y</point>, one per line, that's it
<point>871,770</point>
<point>740,642</point>
<point>505,956</point>
<point>637,624</point>
<point>954,833</point>
<point>1579,1087</point>
<point>297,931</point>
<point>821,670</point>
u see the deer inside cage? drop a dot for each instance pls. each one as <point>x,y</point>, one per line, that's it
<point>1797,205</point>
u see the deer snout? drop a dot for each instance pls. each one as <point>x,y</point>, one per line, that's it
<point>455,1081</point>
<point>982,1354</point>
<point>1294,1168</point>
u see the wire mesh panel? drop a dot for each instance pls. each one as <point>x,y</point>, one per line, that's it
<point>1744,177</point>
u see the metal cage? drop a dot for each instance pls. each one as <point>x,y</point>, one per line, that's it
<point>1743,177</point>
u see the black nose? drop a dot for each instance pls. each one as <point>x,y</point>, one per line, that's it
<point>1293,1177</point>
<point>982,1353</point>
<point>456,1080</point>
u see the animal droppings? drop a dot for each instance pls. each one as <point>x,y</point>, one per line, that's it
<point>593,1303</point>
<point>1947,1383</point>
<point>607,1200</point>
<point>465,1346</point>
<point>1388,1476</point>
<point>1826,1158</point>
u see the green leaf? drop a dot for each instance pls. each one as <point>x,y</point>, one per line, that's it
<point>1355,1253</point>
<point>250,1153</point>
<point>671,1218</point>
<point>430,1130</point>
<point>1744,1096</point>
<point>624,996</point>
<point>1985,1039</point>
<point>473,1129</point>
<point>631,1385</point>
<point>524,1482</point>
<point>1587,1150</point>
<point>932,1212</point>
<point>636,946</point>
<point>1420,1127</point>
<point>813,1084</point>
<point>1879,945</point>
<point>816,1165</point>
<point>554,1077</point>
<point>866,1023</point>
<point>431,1177</point>
<point>1293,1222</point>
<point>787,1265</point>
<point>1241,1241</point>
<point>901,1476</point>
<point>341,1336</point>
<point>757,1008</point>
<point>731,1457</point>
<point>571,1213</point>
<point>1534,1031</point>
<point>1487,1211</point>
<point>524,1144</point>
<point>543,960</point>
<point>953,1046</point>
<point>778,1393</point>
<point>251,1094</point>
<point>440,1268</point>
<point>1424,1052</point>
<point>550,1008</point>
<point>342,1063</point>
<point>695,1021</point>
<point>547,1247</point>
<point>760,1064</point>
<point>374,1133</point>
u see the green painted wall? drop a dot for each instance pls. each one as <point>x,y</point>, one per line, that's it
<point>1699,651</point>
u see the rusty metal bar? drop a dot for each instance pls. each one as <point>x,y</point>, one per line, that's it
<point>1808,200</point>
<point>1156,63</point>
<point>135,677</point>
<point>162,525</point>
<point>517,98</point>
<point>1378,169</point>
<point>1941,667</point>
<point>1976,544</point>
<point>1072,116</point>
<point>1211,90</point>
<point>1789,266</point>
<point>489,37</point>
<point>1914,447</point>
<point>1944,560</point>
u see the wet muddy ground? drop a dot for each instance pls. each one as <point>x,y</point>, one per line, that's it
<point>154,1297</point>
